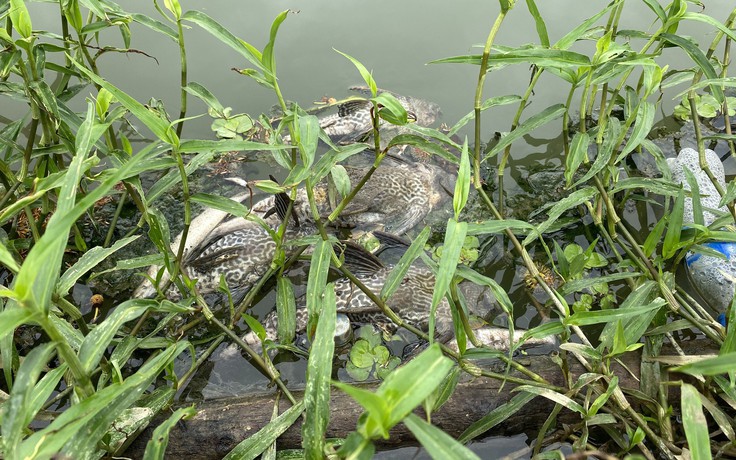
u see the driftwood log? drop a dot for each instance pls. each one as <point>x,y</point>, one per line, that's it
<point>221,424</point>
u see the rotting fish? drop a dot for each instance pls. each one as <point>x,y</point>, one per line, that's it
<point>238,250</point>
<point>411,301</point>
<point>397,197</point>
<point>353,118</point>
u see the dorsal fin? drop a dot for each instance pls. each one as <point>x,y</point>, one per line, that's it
<point>281,206</point>
<point>359,260</point>
<point>348,108</point>
<point>391,240</point>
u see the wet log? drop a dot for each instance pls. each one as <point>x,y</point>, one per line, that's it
<point>221,424</point>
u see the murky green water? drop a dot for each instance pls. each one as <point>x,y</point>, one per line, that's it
<point>394,38</point>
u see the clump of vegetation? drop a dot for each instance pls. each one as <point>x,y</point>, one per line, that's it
<point>58,164</point>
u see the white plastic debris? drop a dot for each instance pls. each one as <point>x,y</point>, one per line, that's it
<point>713,277</point>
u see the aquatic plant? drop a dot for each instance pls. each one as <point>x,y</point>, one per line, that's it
<point>58,165</point>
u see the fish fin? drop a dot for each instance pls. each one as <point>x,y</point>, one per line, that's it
<point>359,260</point>
<point>348,108</point>
<point>391,240</point>
<point>412,217</point>
<point>281,206</point>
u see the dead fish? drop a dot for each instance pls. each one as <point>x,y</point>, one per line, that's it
<point>353,119</point>
<point>411,301</point>
<point>397,197</point>
<point>238,250</point>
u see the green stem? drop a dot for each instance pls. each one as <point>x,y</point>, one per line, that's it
<point>84,384</point>
<point>113,223</point>
<point>181,383</point>
<point>479,96</point>
<point>28,150</point>
<point>183,60</point>
<point>701,151</point>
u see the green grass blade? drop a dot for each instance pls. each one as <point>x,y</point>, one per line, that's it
<point>286,310</point>
<point>499,226</point>
<point>581,284</point>
<point>195,89</point>
<point>158,126</point>
<point>17,410</point>
<point>173,177</point>
<point>257,443</point>
<point>155,25</point>
<point>20,18</point>
<point>308,139</point>
<point>79,428</point>
<point>156,447</point>
<point>367,77</point>
<point>87,262</point>
<point>697,55</point>
<point>586,318</point>
<point>694,422</point>
<point>406,387</point>
<point>250,53</point>
<point>423,144</point>
<point>575,34</point>
<point>462,185</point>
<point>554,396</point>
<point>319,267</point>
<point>393,281</point>
<point>722,364</point>
<point>487,104</point>
<point>319,372</point>
<point>439,444</point>
<point>454,239</point>
<point>97,341</point>
<point>40,271</point>
<point>535,121</point>
<point>387,102</point>
<point>644,122</point>
<point>571,201</point>
<point>578,155</point>
<point>498,292</point>
<point>539,22</point>
<point>674,227</point>
<point>45,387</point>
<point>12,317</point>
<point>495,417</point>
<point>700,17</point>
<point>375,406</point>
<point>267,59</point>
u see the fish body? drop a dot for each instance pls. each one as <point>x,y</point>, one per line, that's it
<point>238,250</point>
<point>396,198</point>
<point>353,120</point>
<point>411,301</point>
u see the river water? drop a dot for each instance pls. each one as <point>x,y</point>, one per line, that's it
<point>396,39</point>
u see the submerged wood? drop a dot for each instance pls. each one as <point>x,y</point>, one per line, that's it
<point>221,424</point>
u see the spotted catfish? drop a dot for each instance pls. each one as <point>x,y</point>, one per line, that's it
<point>353,120</point>
<point>397,197</point>
<point>411,301</point>
<point>238,250</point>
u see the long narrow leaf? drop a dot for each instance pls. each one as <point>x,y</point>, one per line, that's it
<point>535,121</point>
<point>694,422</point>
<point>399,271</point>
<point>454,239</point>
<point>439,444</point>
<point>319,371</point>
